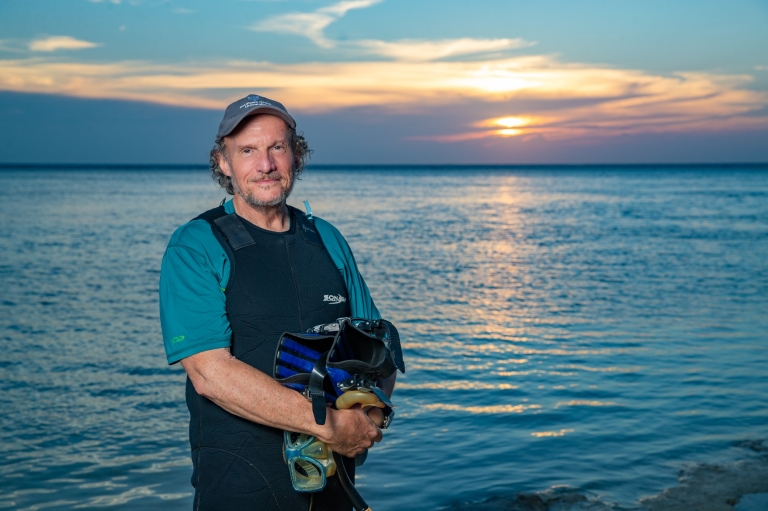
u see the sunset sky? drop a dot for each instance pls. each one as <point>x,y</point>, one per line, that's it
<point>389,81</point>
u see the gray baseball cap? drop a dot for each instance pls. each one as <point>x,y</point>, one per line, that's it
<point>251,105</point>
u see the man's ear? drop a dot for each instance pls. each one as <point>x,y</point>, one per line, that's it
<point>224,164</point>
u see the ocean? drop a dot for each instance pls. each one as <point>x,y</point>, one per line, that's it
<point>576,338</point>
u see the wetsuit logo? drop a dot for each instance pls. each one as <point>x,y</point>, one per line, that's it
<point>334,299</point>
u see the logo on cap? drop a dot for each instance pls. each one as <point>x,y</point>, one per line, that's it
<point>257,103</point>
<point>253,97</point>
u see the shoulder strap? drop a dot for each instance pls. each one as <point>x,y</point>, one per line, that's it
<point>211,216</point>
<point>228,228</point>
<point>234,231</point>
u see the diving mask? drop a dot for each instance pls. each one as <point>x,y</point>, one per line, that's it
<point>310,461</point>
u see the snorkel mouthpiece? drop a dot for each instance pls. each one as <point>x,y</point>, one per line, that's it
<point>353,397</point>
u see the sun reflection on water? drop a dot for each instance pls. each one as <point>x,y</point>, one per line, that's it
<point>542,434</point>
<point>480,409</point>
<point>577,402</point>
<point>455,385</point>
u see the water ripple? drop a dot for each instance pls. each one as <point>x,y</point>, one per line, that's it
<point>575,337</point>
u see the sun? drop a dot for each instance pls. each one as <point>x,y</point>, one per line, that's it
<point>508,126</point>
<point>511,122</point>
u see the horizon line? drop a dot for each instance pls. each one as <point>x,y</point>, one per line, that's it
<point>372,166</point>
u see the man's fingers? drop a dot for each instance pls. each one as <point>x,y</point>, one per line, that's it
<point>356,432</point>
<point>379,435</point>
<point>376,415</point>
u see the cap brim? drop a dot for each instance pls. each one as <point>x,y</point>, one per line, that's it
<point>229,128</point>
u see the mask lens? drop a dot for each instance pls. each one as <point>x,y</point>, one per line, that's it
<point>309,460</point>
<point>306,475</point>
<point>297,440</point>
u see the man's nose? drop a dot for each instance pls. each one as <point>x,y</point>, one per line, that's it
<point>265,162</point>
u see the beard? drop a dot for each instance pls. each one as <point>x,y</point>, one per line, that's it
<point>252,200</point>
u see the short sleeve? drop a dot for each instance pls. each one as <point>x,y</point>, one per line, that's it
<point>193,275</point>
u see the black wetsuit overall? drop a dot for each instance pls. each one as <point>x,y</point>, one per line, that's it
<point>277,284</point>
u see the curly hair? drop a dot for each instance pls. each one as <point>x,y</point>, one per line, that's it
<point>299,146</point>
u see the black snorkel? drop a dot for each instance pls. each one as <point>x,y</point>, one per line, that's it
<point>354,496</point>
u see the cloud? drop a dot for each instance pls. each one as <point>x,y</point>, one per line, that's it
<point>182,10</point>
<point>60,42</point>
<point>116,2</point>
<point>498,98</point>
<point>761,68</point>
<point>311,24</point>
<point>417,50</point>
<point>341,8</point>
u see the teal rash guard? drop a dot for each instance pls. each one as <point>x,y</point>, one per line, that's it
<point>193,279</point>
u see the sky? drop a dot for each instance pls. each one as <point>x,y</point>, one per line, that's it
<point>389,81</point>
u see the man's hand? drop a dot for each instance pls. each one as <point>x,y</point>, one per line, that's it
<point>350,432</point>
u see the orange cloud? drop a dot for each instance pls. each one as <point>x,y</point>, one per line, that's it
<point>601,101</point>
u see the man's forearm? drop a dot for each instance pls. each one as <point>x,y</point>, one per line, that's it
<point>247,392</point>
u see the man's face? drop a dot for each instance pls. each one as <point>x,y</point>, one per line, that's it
<point>260,161</point>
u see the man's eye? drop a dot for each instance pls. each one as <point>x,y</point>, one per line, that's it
<point>246,151</point>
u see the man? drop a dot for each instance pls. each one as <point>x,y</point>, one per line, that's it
<point>232,281</point>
